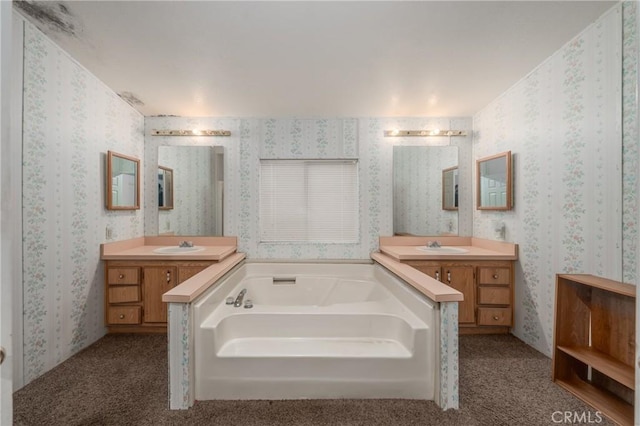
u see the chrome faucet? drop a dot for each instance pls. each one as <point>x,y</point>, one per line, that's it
<point>185,244</point>
<point>433,244</point>
<point>238,301</point>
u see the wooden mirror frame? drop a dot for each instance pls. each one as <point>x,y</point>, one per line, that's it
<point>167,200</point>
<point>454,204</point>
<point>109,182</point>
<point>508,205</point>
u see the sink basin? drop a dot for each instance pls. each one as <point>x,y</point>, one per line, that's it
<point>443,250</point>
<point>177,250</point>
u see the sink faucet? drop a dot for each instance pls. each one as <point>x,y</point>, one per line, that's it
<point>433,244</point>
<point>238,301</point>
<point>185,244</point>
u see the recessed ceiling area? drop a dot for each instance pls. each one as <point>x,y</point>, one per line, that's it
<point>311,59</point>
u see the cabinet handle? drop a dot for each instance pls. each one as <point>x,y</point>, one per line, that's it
<point>495,276</point>
<point>449,276</point>
<point>438,275</point>
<point>121,276</point>
<point>121,316</point>
<point>495,317</point>
<point>168,276</point>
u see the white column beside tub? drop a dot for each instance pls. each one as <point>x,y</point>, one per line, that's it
<point>181,362</point>
<point>448,391</point>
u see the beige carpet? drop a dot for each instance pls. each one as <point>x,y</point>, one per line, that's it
<point>122,380</point>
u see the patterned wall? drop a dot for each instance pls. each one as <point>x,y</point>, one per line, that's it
<point>70,121</point>
<point>562,123</point>
<point>253,139</point>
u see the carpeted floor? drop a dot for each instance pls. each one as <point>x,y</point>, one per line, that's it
<point>122,380</point>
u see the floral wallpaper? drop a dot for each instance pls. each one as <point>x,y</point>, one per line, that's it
<point>70,121</point>
<point>561,123</point>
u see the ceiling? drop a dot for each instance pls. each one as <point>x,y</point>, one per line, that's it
<point>311,59</point>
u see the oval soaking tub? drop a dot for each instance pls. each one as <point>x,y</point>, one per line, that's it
<point>314,331</point>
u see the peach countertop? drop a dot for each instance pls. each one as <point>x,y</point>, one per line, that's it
<point>407,248</point>
<point>142,248</point>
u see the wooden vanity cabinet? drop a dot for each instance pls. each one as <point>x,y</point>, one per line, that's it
<point>134,289</point>
<point>487,287</point>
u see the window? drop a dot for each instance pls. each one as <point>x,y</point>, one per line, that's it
<point>309,200</point>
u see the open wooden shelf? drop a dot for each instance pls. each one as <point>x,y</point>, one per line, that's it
<point>594,343</point>
<point>609,404</point>
<point>602,362</point>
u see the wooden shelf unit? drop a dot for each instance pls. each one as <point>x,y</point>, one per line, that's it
<point>594,343</point>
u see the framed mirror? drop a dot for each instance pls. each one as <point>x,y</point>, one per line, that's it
<point>418,190</point>
<point>123,182</point>
<point>165,188</point>
<point>450,188</point>
<point>494,186</point>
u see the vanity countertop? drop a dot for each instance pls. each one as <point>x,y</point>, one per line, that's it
<point>412,248</point>
<point>143,248</point>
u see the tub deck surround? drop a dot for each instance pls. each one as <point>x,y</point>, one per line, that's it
<point>142,248</point>
<point>407,248</point>
<point>430,287</point>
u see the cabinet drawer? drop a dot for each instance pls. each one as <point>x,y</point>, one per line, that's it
<point>494,275</point>
<point>494,295</point>
<point>123,275</point>
<point>494,316</point>
<point>124,293</point>
<point>124,314</point>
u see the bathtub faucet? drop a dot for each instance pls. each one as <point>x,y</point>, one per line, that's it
<point>238,301</point>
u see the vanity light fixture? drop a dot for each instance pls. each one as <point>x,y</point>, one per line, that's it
<point>194,132</point>
<point>423,133</point>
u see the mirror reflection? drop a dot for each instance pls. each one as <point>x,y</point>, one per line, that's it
<point>494,187</point>
<point>123,182</point>
<point>418,204</point>
<point>165,188</point>
<point>197,176</point>
<point>450,188</point>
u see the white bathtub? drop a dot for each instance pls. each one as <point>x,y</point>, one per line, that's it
<point>316,331</point>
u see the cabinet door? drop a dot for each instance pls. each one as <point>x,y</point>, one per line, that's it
<point>157,281</point>
<point>186,272</point>
<point>432,271</point>
<point>461,278</point>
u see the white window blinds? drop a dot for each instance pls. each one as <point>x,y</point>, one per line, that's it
<point>309,201</point>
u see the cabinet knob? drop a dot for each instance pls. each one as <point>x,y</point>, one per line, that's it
<point>495,276</point>
<point>495,317</point>
<point>121,316</point>
<point>121,276</point>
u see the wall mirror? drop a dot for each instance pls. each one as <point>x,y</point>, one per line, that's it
<point>197,174</point>
<point>450,188</point>
<point>494,187</point>
<point>165,188</point>
<point>123,182</point>
<point>418,183</point>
